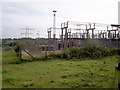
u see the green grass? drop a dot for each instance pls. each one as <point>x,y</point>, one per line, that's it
<point>99,73</point>
<point>9,57</point>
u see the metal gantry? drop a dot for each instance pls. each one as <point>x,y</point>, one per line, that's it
<point>75,33</point>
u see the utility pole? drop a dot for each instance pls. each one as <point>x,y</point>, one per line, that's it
<point>54,27</point>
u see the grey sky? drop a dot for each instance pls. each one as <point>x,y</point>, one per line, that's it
<point>119,13</point>
<point>38,14</point>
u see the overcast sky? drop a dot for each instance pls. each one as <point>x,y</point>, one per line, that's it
<point>38,14</point>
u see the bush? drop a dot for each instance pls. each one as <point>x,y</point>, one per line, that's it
<point>87,52</point>
<point>93,52</point>
<point>64,55</point>
<point>52,55</point>
<point>115,51</point>
<point>72,52</point>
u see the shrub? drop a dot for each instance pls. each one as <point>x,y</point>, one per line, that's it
<point>72,52</point>
<point>93,52</point>
<point>64,55</point>
<point>52,55</point>
<point>59,55</point>
<point>88,52</point>
<point>118,51</point>
<point>115,51</point>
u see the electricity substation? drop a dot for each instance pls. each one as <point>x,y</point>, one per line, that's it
<point>107,35</point>
<point>75,34</point>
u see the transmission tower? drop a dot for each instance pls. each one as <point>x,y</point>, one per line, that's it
<point>38,34</point>
<point>27,32</point>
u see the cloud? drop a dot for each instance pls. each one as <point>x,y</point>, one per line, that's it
<point>38,14</point>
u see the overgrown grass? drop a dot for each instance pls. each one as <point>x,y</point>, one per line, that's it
<point>61,73</point>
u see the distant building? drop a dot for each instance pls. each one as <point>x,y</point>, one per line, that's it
<point>43,48</point>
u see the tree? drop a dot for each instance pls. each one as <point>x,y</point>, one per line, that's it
<point>19,46</point>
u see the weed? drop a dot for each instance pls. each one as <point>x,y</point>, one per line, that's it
<point>27,84</point>
<point>4,71</point>
<point>63,69</point>
<point>8,80</point>
<point>64,76</point>
<point>78,65</point>
<point>59,64</point>
<point>52,81</point>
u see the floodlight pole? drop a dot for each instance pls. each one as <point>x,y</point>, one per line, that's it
<point>54,26</point>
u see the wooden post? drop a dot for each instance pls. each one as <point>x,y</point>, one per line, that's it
<point>29,54</point>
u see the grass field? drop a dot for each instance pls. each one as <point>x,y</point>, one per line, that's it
<point>9,57</point>
<point>99,73</point>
